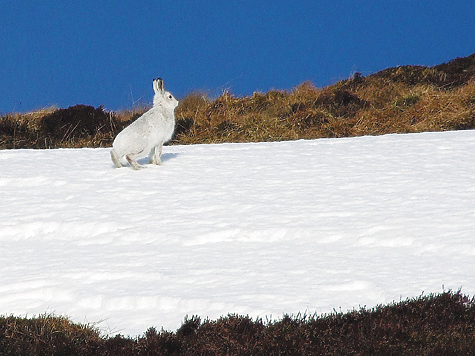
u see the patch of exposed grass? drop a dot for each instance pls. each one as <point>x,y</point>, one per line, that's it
<point>47,335</point>
<point>396,100</point>
<point>442,324</point>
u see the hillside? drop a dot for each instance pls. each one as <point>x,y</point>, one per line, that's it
<point>396,100</point>
<point>255,230</point>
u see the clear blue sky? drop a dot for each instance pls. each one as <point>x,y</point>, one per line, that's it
<point>99,52</point>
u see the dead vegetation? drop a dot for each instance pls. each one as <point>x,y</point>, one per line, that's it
<point>396,100</point>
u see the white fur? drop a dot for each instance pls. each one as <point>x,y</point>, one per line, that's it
<point>146,135</point>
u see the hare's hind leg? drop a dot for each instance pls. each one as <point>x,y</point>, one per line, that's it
<point>156,154</point>
<point>115,159</point>
<point>133,163</point>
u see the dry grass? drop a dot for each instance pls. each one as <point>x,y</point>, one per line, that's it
<point>46,335</point>
<point>396,100</point>
<point>417,109</point>
<point>374,107</point>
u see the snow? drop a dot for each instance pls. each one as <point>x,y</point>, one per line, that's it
<point>256,229</point>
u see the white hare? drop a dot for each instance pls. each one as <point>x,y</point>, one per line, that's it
<point>146,135</point>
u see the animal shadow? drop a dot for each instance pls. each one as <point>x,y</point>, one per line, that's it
<point>165,157</point>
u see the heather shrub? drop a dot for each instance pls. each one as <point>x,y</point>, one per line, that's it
<point>77,123</point>
<point>442,324</point>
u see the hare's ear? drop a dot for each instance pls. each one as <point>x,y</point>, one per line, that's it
<point>160,85</point>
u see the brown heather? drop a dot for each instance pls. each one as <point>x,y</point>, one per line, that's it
<point>396,100</point>
<point>442,325</point>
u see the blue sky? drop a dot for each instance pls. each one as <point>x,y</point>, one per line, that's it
<point>107,52</point>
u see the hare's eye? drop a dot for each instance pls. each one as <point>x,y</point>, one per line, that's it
<point>170,97</point>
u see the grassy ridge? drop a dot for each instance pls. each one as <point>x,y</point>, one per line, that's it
<point>441,324</point>
<point>396,100</point>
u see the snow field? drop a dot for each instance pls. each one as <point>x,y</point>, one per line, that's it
<point>257,229</point>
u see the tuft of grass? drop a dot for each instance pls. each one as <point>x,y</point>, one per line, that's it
<point>396,100</point>
<point>47,335</point>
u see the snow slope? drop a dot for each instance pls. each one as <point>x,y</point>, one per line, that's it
<point>259,229</point>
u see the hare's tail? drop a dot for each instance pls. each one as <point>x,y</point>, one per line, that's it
<point>115,159</point>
